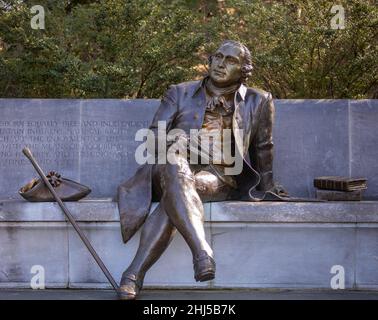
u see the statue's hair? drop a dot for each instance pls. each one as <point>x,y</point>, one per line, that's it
<point>247,66</point>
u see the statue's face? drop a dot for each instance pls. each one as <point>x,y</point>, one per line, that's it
<point>225,68</point>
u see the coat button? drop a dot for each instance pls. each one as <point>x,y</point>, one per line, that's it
<point>196,116</point>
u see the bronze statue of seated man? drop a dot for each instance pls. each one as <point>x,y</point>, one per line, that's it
<point>219,102</point>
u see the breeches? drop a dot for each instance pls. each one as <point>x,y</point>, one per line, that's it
<point>202,179</point>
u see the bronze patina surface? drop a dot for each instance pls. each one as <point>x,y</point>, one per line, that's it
<point>219,101</point>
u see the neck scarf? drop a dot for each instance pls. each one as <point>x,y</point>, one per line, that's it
<point>217,98</point>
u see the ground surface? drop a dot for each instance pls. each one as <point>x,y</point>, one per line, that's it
<point>64,294</point>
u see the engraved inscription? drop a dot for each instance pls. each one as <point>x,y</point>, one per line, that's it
<point>112,140</point>
<point>57,142</point>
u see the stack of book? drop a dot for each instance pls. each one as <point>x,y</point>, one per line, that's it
<point>340,188</point>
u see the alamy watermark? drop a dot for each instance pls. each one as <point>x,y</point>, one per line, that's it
<point>338,20</point>
<point>199,147</point>
<point>38,279</point>
<point>38,20</point>
<point>338,280</point>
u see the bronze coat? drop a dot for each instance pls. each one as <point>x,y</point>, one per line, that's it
<point>183,107</point>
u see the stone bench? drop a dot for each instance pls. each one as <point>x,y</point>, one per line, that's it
<point>257,245</point>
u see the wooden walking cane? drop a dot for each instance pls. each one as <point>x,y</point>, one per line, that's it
<point>27,152</point>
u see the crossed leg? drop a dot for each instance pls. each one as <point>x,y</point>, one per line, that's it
<point>157,234</point>
<point>180,209</point>
<point>183,205</point>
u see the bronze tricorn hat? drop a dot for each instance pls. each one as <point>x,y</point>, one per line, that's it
<point>67,190</point>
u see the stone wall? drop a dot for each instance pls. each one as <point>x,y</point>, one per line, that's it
<point>92,141</point>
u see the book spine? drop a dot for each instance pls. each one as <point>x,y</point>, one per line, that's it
<point>331,185</point>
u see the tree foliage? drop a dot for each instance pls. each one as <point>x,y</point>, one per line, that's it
<point>136,48</point>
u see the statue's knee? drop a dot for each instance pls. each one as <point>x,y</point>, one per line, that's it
<point>178,172</point>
